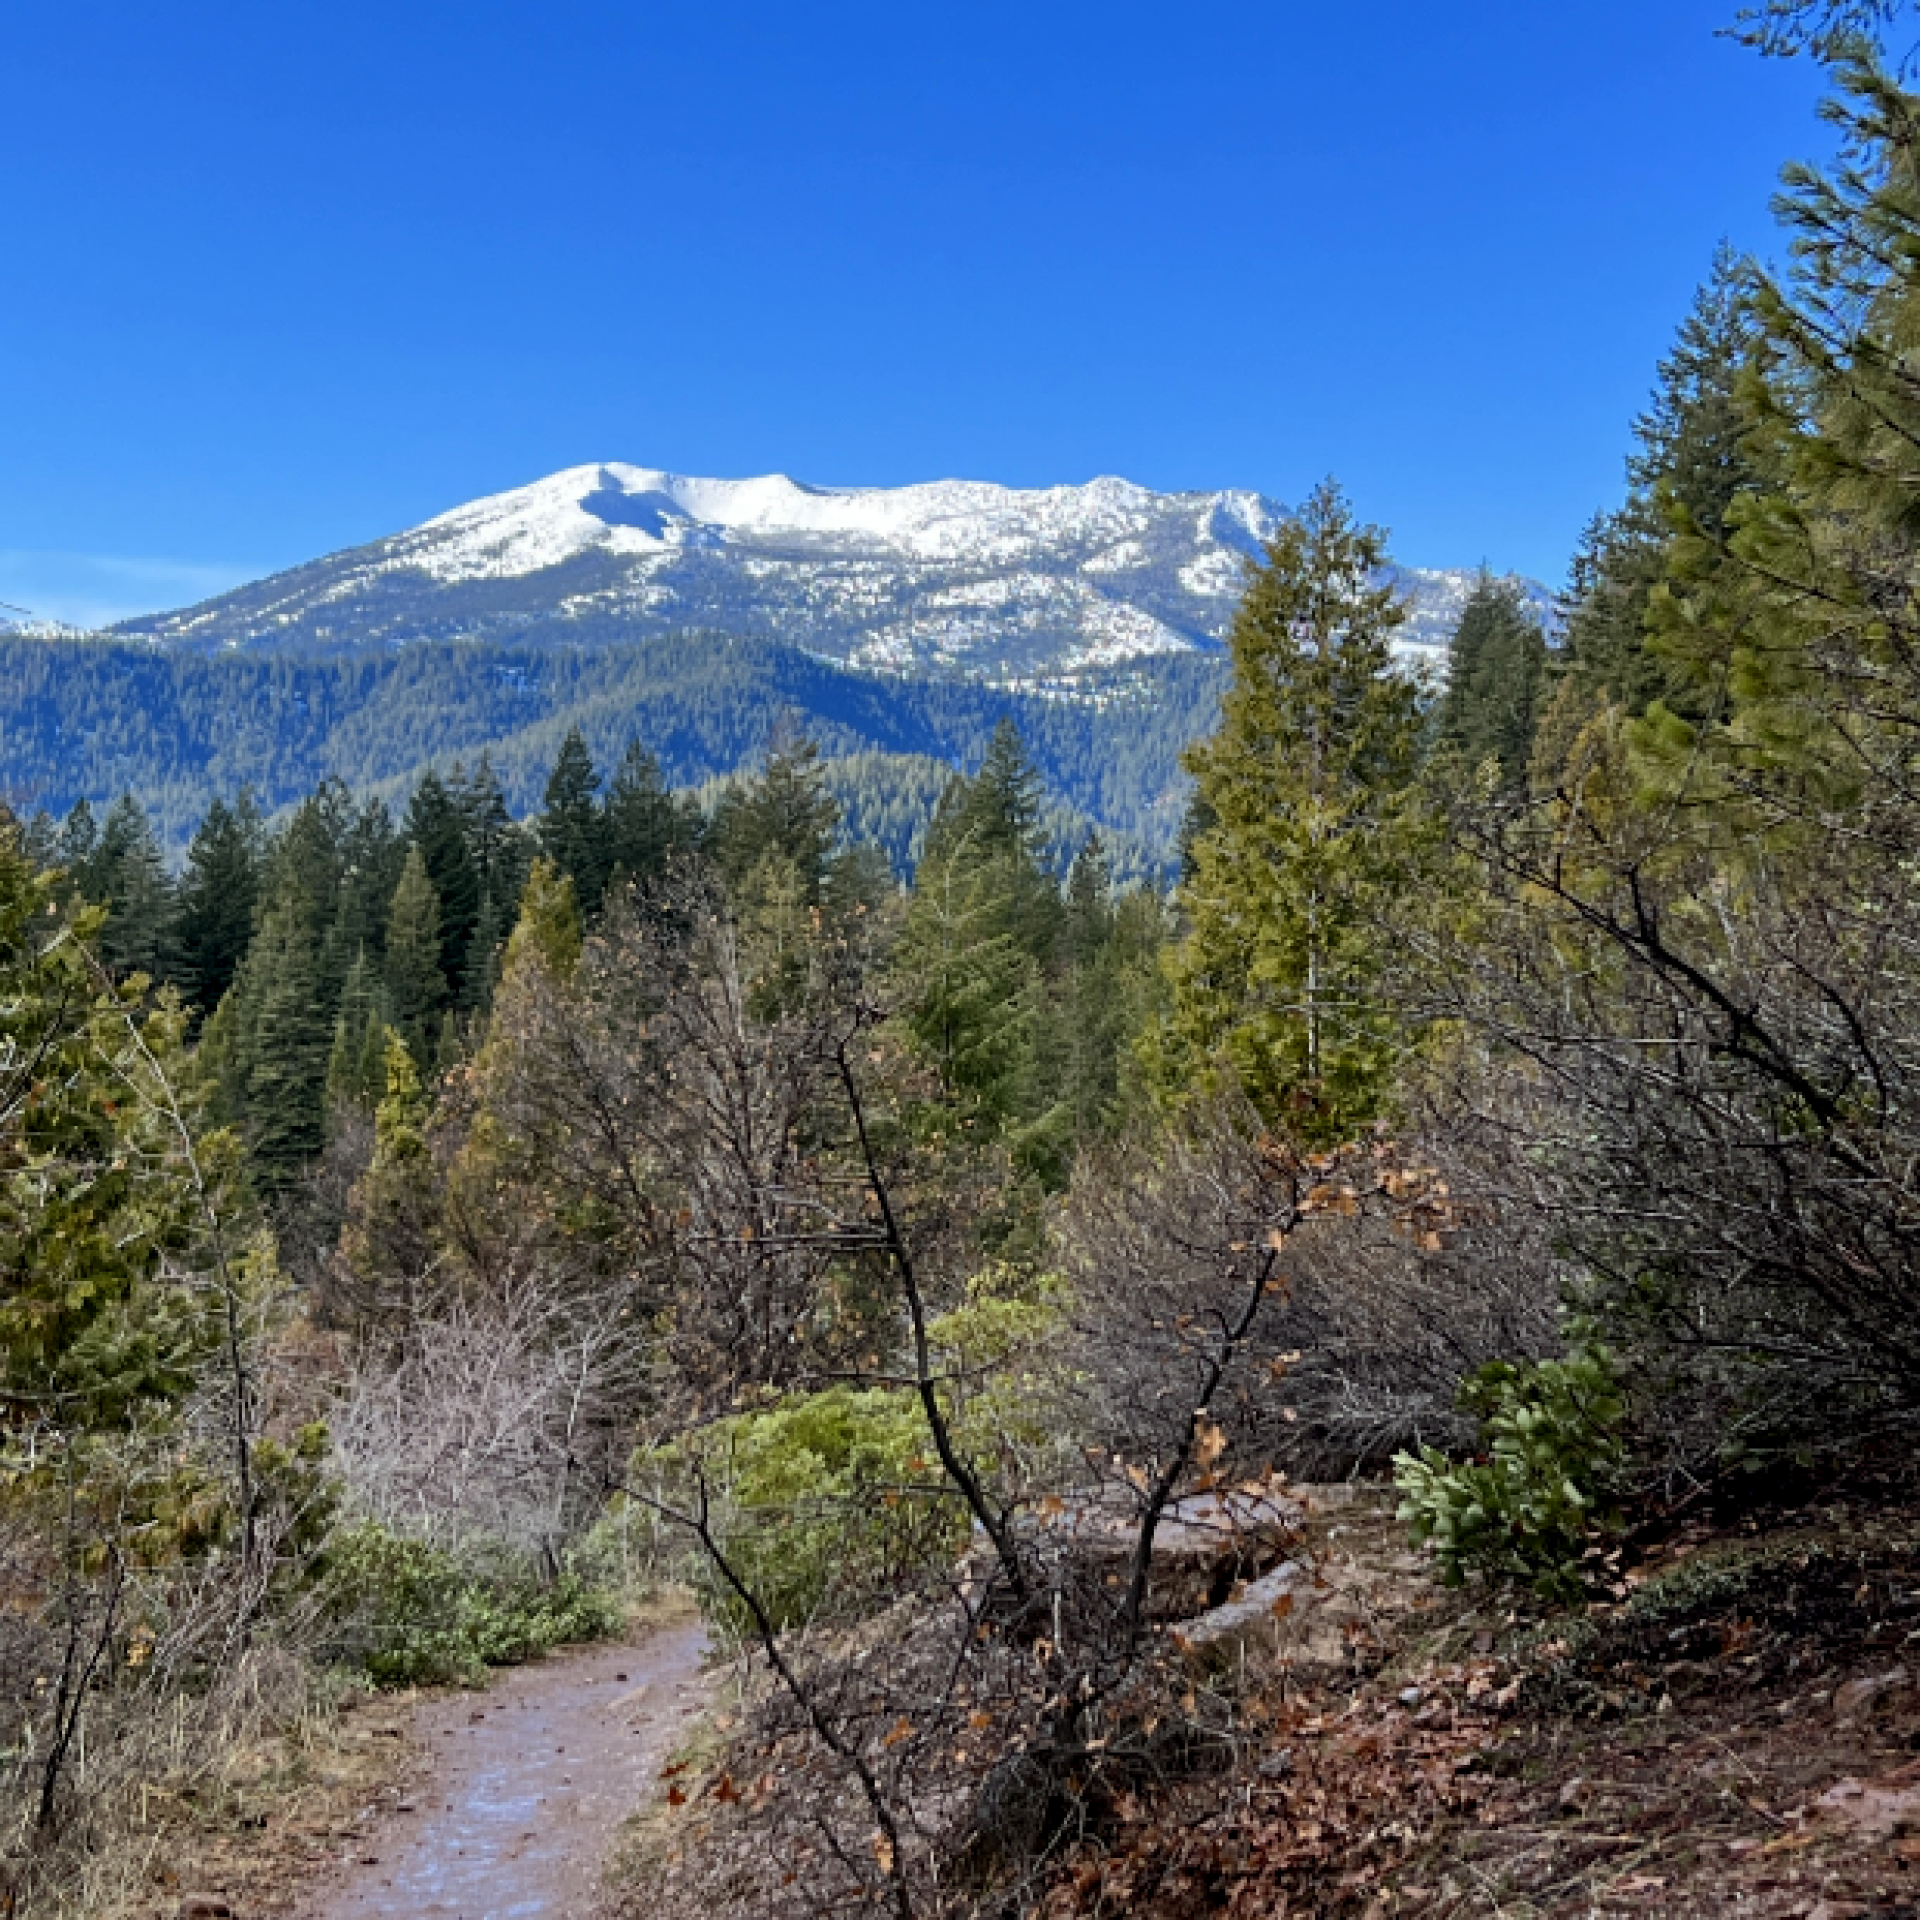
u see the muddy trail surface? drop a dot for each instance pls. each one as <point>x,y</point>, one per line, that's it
<point>523,1788</point>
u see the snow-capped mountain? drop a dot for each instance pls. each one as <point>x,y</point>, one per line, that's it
<point>1011,584</point>
<point>18,624</point>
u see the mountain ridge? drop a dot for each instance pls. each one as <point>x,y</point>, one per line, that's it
<point>1014,585</point>
<point>896,625</point>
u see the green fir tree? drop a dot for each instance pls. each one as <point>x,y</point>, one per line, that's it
<point>571,831</point>
<point>286,1047</point>
<point>126,873</point>
<point>644,825</point>
<point>417,994</point>
<point>784,819</point>
<point>1496,681</point>
<point>1689,465</point>
<point>219,891</point>
<point>437,827</point>
<point>1277,984</point>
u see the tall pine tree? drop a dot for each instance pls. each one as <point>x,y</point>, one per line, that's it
<point>218,893</point>
<point>645,826</point>
<point>126,873</point>
<point>1309,780</point>
<point>571,831</point>
<point>417,991</point>
<point>438,828</point>
<point>501,852</point>
<point>1496,680</point>
<point>994,819</point>
<point>288,1042</point>
<point>783,818</point>
<point>1689,464</point>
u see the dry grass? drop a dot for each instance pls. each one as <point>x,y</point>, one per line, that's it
<point>239,1798</point>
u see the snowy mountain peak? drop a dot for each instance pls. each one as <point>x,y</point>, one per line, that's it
<point>1018,584</point>
<point>621,509</point>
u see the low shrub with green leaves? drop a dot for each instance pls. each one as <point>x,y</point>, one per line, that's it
<point>409,1613</point>
<point>1529,1509</point>
<point>822,1498</point>
<point>833,1501</point>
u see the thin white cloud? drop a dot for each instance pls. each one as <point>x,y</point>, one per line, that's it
<point>97,589</point>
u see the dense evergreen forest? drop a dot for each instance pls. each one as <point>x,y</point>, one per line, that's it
<point>92,719</point>
<point>474,1195</point>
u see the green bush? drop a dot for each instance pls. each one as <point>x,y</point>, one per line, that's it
<point>822,1498</point>
<point>409,1613</point>
<point>1529,1509</point>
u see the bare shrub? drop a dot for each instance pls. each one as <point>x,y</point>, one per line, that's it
<point>1379,1314</point>
<point>1724,1123</point>
<point>312,1212</point>
<point>670,1128</point>
<point>498,1419</point>
<point>936,1757</point>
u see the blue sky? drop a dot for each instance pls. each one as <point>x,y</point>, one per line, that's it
<point>282,278</point>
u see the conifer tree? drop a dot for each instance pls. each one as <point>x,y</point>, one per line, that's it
<point>1689,462</point>
<point>1788,633</point>
<point>218,894</point>
<point>372,853</point>
<point>437,827</point>
<point>389,1231</point>
<point>981,955</point>
<point>548,928</point>
<point>994,820</point>
<point>484,955</point>
<point>972,992</point>
<point>307,863</point>
<point>644,825</point>
<point>1309,779</point>
<point>571,831</point>
<point>1496,681</point>
<point>490,833</point>
<point>500,852</point>
<point>1095,1011</point>
<point>360,1035</point>
<point>93,1199</point>
<point>417,993</point>
<point>1089,905</point>
<point>785,816</point>
<point>1002,809</point>
<point>78,834</point>
<point>126,873</point>
<point>266,1046</point>
<point>39,837</point>
<point>287,1047</point>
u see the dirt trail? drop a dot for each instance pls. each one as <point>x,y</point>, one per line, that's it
<point>523,1788</point>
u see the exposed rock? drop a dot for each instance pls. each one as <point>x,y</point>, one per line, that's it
<point>1858,1698</point>
<point>1336,1582</point>
<point>1888,1805</point>
<point>1204,1545</point>
<point>1258,1618</point>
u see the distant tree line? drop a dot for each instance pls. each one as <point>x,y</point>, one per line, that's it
<point>92,719</point>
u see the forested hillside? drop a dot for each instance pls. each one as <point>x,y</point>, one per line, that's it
<point>1382,1377</point>
<point>93,719</point>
